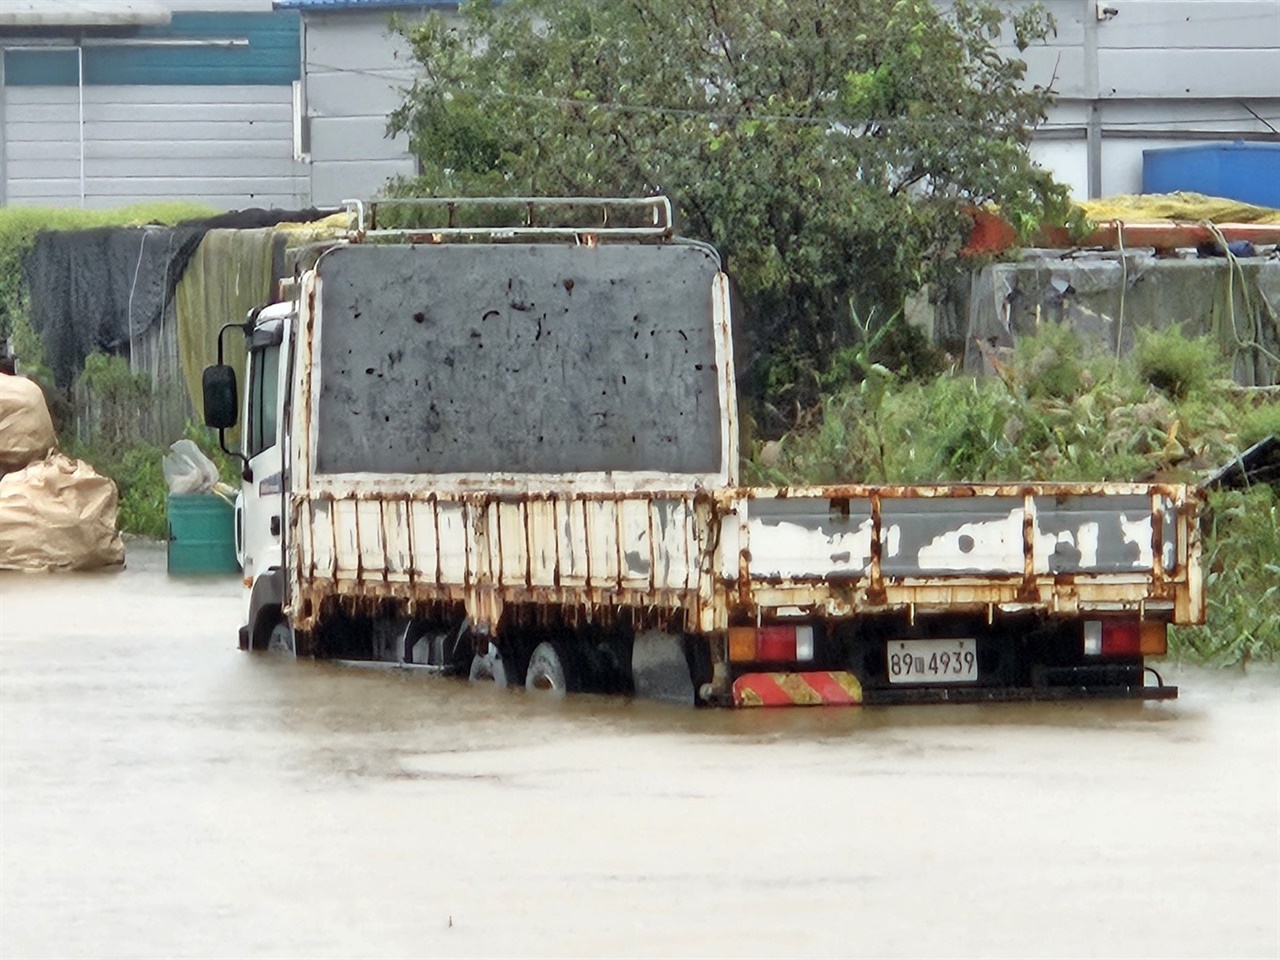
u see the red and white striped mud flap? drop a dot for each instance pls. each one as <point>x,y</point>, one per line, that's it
<point>811,689</point>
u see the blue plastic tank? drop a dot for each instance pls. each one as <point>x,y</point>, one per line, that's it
<point>1238,171</point>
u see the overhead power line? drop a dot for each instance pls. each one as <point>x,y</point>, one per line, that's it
<point>1157,121</point>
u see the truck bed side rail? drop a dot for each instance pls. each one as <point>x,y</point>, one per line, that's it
<point>584,554</point>
<point>1058,548</point>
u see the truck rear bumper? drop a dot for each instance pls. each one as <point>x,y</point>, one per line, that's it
<point>841,688</point>
<point>1017,694</point>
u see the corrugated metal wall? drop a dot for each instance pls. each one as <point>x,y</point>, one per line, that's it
<point>210,121</point>
<point>226,146</point>
<point>355,72</point>
<point>1135,75</point>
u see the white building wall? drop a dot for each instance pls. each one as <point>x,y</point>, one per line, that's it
<point>224,146</point>
<point>1151,74</point>
<point>356,71</point>
<point>1154,73</point>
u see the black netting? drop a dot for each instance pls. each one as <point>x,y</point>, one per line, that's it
<point>98,289</point>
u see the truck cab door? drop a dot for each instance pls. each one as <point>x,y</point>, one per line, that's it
<point>261,514</point>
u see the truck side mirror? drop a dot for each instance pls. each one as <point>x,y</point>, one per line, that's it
<point>221,398</point>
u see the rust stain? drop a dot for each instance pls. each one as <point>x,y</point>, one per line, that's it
<point>1029,593</point>
<point>875,592</point>
<point>1157,541</point>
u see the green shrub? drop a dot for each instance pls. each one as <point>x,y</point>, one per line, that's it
<point>138,472</point>
<point>112,403</point>
<point>114,400</point>
<point>1051,362</point>
<point>1259,422</point>
<point>139,475</point>
<point>953,429</point>
<point>1057,413</point>
<point>1176,364</point>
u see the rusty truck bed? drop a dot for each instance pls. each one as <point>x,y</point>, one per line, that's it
<point>713,559</point>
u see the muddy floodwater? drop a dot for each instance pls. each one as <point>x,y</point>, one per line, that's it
<point>164,795</point>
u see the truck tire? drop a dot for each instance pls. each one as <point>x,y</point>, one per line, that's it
<point>280,640</point>
<point>489,667</point>
<point>549,672</point>
<point>660,669</point>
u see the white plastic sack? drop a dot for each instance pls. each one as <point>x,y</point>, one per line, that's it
<point>188,470</point>
<point>58,513</point>
<point>26,432</point>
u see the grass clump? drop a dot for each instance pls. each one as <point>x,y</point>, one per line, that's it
<point>1258,423</point>
<point>1052,363</point>
<point>143,494</point>
<point>1177,365</point>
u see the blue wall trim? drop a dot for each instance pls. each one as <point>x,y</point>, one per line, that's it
<point>272,58</point>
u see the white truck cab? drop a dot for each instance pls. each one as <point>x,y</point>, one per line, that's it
<point>260,508</point>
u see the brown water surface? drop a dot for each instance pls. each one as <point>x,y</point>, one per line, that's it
<point>162,794</point>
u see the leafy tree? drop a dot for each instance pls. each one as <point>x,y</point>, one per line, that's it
<point>828,149</point>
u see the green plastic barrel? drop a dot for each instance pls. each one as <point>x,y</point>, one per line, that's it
<point>202,534</point>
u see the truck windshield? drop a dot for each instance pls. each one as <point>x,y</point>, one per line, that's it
<point>264,389</point>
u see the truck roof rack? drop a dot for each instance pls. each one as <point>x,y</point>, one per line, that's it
<point>435,219</point>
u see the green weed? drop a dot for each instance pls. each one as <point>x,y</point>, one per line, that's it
<point>109,439</point>
<point>1258,423</point>
<point>1176,364</point>
<point>139,477</point>
<point>1052,362</point>
<point>143,493</point>
<point>1242,582</point>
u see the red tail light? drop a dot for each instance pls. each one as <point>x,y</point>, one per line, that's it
<point>1125,638</point>
<point>771,644</point>
<point>1121,639</point>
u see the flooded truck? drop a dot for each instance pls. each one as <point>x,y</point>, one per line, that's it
<point>511,453</point>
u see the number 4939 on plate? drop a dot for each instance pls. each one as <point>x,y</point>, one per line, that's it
<point>932,661</point>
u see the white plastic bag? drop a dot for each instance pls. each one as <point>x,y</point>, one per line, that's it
<point>188,470</point>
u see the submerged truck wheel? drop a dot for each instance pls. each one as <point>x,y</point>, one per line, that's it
<point>659,668</point>
<point>489,667</point>
<point>280,641</point>
<point>548,672</point>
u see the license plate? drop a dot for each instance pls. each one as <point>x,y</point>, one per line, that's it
<point>933,661</point>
